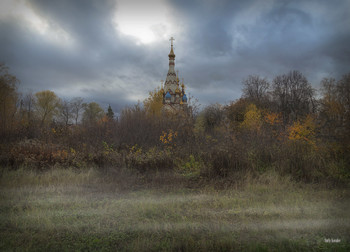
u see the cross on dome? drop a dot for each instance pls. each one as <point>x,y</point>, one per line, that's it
<point>171,39</point>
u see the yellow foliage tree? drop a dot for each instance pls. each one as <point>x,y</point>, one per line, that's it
<point>303,131</point>
<point>154,103</point>
<point>167,138</point>
<point>273,124</point>
<point>273,118</point>
<point>93,113</point>
<point>46,104</point>
<point>252,119</point>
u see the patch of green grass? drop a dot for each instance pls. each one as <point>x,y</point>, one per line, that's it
<point>65,210</point>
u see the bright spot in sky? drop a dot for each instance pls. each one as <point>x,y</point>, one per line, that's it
<point>147,21</point>
<point>22,12</point>
<point>19,10</point>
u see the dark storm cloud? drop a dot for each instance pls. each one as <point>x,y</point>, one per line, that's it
<point>218,44</point>
<point>238,38</point>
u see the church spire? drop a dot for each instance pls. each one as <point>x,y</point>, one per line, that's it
<point>170,82</point>
<point>172,93</point>
<point>171,54</point>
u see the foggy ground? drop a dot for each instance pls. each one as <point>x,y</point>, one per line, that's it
<point>85,210</point>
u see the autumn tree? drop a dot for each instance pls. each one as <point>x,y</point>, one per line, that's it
<point>46,106</point>
<point>133,123</point>
<point>92,113</point>
<point>252,119</point>
<point>154,103</point>
<point>235,112</point>
<point>293,96</point>
<point>273,125</point>
<point>212,116</point>
<point>8,99</point>
<point>303,131</point>
<point>335,108</point>
<point>331,109</point>
<point>343,88</point>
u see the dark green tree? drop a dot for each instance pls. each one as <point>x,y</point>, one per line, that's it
<point>110,113</point>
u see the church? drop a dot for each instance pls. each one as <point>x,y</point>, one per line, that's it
<point>174,98</point>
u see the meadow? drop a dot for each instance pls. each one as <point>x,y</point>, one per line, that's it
<point>269,171</point>
<point>115,210</point>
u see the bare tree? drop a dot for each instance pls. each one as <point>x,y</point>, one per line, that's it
<point>77,108</point>
<point>66,111</point>
<point>293,95</point>
<point>255,89</point>
<point>26,108</point>
<point>8,99</point>
<point>335,108</point>
<point>213,116</point>
<point>343,88</point>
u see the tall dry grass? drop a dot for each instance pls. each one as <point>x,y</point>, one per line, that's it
<point>90,210</point>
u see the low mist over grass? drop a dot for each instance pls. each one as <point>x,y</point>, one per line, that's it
<point>88,210</point>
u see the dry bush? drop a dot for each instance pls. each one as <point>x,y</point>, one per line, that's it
<point>41,155</point>
<point>146,161</point>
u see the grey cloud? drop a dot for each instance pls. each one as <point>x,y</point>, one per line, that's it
<point>220,43</point>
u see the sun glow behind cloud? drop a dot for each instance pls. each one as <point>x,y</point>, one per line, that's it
<point>146,21</point>
<point>22,12</point>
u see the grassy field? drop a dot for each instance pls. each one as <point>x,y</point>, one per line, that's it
<point>67,210</point>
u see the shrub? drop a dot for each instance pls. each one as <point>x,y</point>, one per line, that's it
<point>151,160</point>
<point>191,168</point>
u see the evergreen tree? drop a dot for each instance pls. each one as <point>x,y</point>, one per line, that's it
<point>110,113</point>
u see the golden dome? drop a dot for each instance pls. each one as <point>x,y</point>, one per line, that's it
<point>171,54</point>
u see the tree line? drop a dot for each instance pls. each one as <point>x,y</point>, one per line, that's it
<point>283,125</point>
<point>31,112</point>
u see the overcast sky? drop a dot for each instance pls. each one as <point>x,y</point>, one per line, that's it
<point>116,51</point>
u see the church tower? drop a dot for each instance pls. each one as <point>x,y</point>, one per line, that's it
<point>173,96</point>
